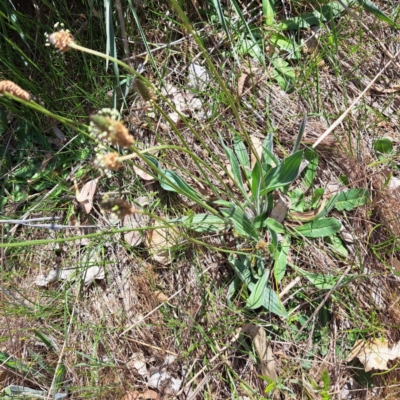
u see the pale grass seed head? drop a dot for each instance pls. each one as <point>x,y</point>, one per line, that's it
<point>12,88</point>
<point>60,39</point>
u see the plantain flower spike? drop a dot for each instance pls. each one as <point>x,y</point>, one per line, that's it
<point>106,127</point>
<point>107,162</point>
<point>12,88</point>
<point>60,39</point>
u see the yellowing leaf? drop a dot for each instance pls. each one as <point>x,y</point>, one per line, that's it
<point>374,353</point>
<point>86,194</point>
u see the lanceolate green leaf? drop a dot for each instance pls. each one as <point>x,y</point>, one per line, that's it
<point>235,167</point>
<point>242,266</point>
<point>283,73</point>
<point>323,14</point>
<point>240,222</point>
<point>351,199</point>
<point>285,173</point>
<point>281,254</point>
<point>241,153</point>
<point>275,225</point>
<point>255,300</point>
<point>203,222</point>
<point>372,8</point>
<point>263,296</point>
<point>309,174</point>
<point>319,228</point>
<point>168,178</point>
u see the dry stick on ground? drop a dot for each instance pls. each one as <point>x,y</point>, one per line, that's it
<point>353,104</point>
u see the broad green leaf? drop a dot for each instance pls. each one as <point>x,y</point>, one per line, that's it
<point>286,44</point>
<point>275,225</point>
<point>318,16</point>
<point>240,221</point>
<point>260,222</point>
<point>281,254</point>
<point>255,300</point>
<point>268,151</point>
<point>283,73</point>
<point>256,50</point>
<point>372,8</point>
<point>202,222</point>
<point>317,195</point>
<point>242,266</point>
<point>263,296</point>
<point>272,302</point>
<point>268,7</point>
<point>297,202</point>
<point>337,245</point>
<point>285,173</point>
<point>223,203</point>
<point>274,240</point>
<point>169,178</point>
<point>319,228</point>
<point>351,199</point>
<point>383,146</point>
<point>232,289</point>
<point>310,171</point>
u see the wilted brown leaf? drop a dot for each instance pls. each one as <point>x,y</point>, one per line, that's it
<point>264,351</point>
<point>241,82</point>
<point>374,353</point>
<point>86,194</point>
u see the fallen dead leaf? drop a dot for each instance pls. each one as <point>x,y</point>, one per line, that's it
<point>137,362</point>
<point>264,351</point>
<point>143,174</point>
<point>160,296</point>
<point>374,353</point>
<point>161,379</point>
<point>278,213</point>
<point>241,82</point>
<point>86,194</point>
<point>257,144</point>
<point>159,243</point>
<point>148,394</point>
<point>135,238</point>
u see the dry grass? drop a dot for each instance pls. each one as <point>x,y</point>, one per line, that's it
<point>196,325</point>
